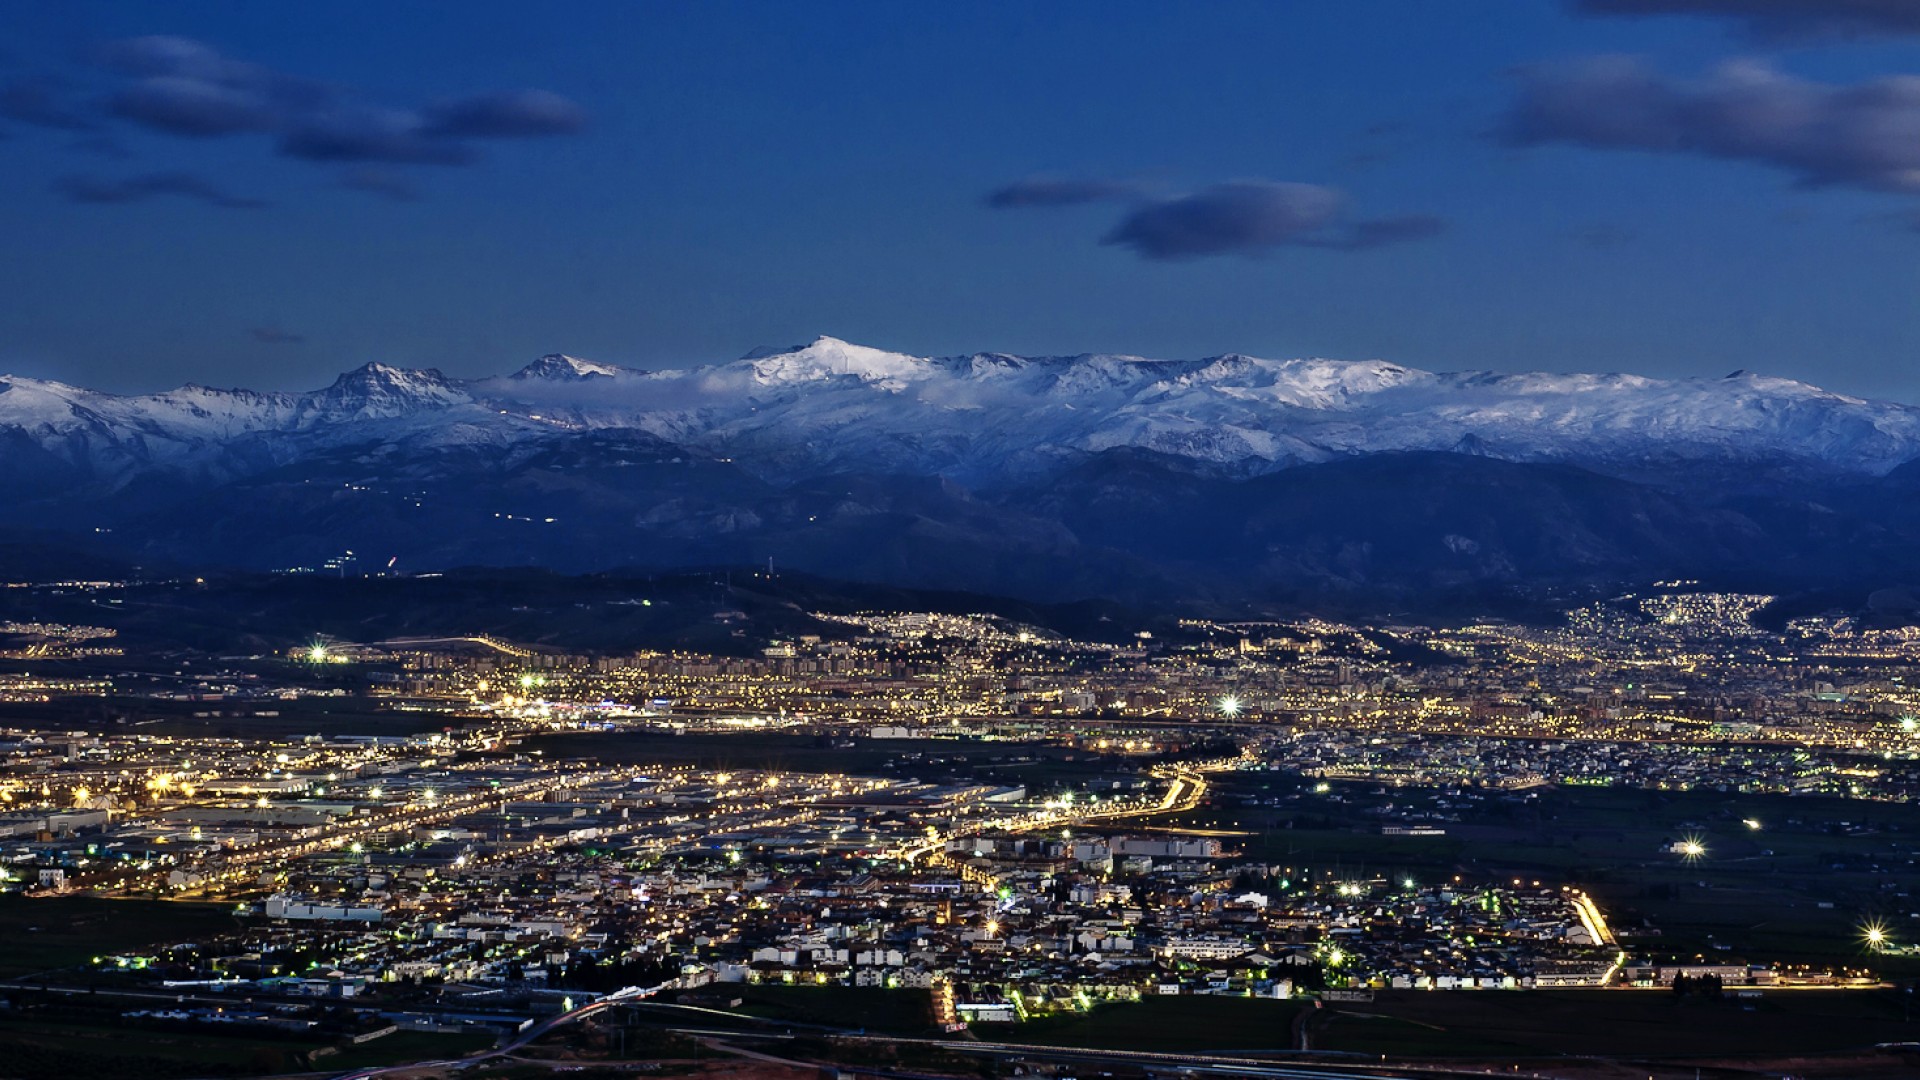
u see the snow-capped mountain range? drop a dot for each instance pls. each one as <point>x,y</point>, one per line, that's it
<point>982,419</point>
<point>1228,482</point>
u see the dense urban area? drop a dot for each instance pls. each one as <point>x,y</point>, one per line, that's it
<point>950,844</point>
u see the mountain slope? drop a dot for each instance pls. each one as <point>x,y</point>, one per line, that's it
<point>1224,479</point>
<point>982,418</point>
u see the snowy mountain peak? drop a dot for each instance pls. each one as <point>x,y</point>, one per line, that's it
<point>374,373</point>
<point>989,417</point>
<point>562,368</point>
<point>829,357</point>
<point>381,391</point>
<point>27,382</point>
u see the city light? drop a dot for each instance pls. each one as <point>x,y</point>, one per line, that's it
<point>432,824</point>
<point>1875,935</point>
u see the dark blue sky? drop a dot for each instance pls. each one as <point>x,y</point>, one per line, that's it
<point>1447,185</point>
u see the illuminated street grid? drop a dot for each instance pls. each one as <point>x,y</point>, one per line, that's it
<point>457,860</point>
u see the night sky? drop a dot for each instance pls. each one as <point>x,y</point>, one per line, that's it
<point>265,194</point>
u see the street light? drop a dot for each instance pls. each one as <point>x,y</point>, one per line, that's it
<point>1875,935</point>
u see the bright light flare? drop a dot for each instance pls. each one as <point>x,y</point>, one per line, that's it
<point>1230,705</point>
<point>1875,935</point>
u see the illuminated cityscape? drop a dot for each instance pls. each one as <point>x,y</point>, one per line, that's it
<point>859,540</point>
<point>995,822</point>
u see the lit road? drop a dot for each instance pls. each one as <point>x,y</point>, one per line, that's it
<point>520,1041</point>
<point>1186,788</point>
<point>230,866</point>
<point>735,812</point>
<point>1222,1064</point>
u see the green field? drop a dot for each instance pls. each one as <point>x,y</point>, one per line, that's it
<point>1164,1025</point>
<point>31,1049</point>
<point>67,931</point>
<point>800,753</point>
<point>151,716</point>
<point>1758,895</point>
<point>887,1012</point>
<point>405,1046</point>
<point>1614,1023</point>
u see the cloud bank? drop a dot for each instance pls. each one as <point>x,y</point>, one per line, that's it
<point>1863,136</point>
<point>186,89</point>
<point>1243,217</point>
<point>1782,18</point>
<point>1240,217</point>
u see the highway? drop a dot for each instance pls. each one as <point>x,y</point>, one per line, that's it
<point>1186,788</point>
<point>1185,1064</point>
<point>233,866</point>
<point>520,1041</point>
<point>1207,1064</point>
<point>228,866</point>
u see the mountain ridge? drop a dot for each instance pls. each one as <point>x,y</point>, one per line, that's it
<point>983,415</point>
<point>1228,480</point>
